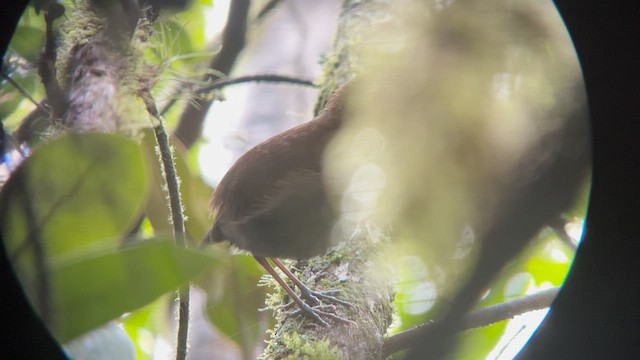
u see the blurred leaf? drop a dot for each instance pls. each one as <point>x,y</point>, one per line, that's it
<point>73,196</point>
<point>549,260</point>
<point>195,23</point>
<point>416,292</point>
<point>148,324</point>
<point>92,290</point>
<point>551,271</point>
<point>478,343</point>
<point>195,194</point>
<point>513,282</point>
<point>10,98</point>
<point>28,41</point>
<point>234,299</point>
<point>77,192</point>
<point>532,266</point>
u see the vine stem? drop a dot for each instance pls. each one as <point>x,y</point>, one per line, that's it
<point>165,153</point>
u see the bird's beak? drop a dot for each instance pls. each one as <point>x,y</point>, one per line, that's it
<point>212,236</point>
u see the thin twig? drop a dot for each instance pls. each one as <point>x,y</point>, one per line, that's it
<point>23,91</point>
<point>221,83</point>
<point>476,319</point>
<point>177,218</point>
<point>255,78</point>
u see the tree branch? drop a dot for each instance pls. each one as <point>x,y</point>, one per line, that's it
<point>255,78</point>
<point>177,218</point>
<point>356,272</point>
<point>221,83</point>
<point>47,65</point>
<point>476,319</point>
<point>233,40</point>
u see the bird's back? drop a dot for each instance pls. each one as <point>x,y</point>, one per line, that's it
<point>272,201</point>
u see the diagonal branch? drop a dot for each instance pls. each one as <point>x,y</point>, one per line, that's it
<point>476,319</point>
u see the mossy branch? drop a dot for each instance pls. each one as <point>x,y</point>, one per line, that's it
<point>479,318</point>
<point>353,269</point>
<point>165,153</point>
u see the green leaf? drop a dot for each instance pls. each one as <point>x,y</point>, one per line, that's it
<point>551,271</point>
<point>92,290</point>
<point>28,42</point>
<point>478,343</point>
<point>11,98</point>
<point>232,304</point>
<point>75,193</point>
<point>149,319</point>
<point>63,214</point>
<point>73,196</point>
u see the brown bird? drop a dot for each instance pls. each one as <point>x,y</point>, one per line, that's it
<point>272,202</point>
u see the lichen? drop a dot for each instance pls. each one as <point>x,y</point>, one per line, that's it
<point>353,270</point>
<point>292,346</point>
<point>102,70</point>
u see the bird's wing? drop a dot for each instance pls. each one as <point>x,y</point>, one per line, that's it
<point>293,220</point>
<point>295,186</point>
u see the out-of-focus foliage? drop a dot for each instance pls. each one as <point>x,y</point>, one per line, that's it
<point>64,213</point>
<point>25,37</point>
<point>195,194</point>
<point>148,326</point>
<point>68,197</point>
<point>97,186</point>
<point>544,264</point>
<point>20,64</point>
<point>233,301</point>
<point>87,191</point>
<point>180,49</point>
<point>128,279</point>
<point>10,98</point>
<point>455,107</point>
<point>465,92</point>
